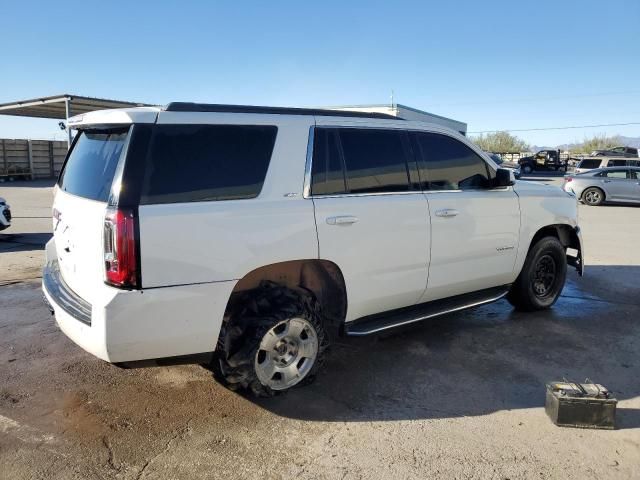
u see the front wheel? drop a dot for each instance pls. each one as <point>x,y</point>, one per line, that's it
<point>526,168</point>
<point>542,277</point>
<point>273,340</point>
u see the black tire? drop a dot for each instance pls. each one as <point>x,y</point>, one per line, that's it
<point>527,168</point>
<point>542,278</point>
<point>251,315</point>
<point>593,196</point>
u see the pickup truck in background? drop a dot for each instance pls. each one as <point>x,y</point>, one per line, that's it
<point>542,160</point>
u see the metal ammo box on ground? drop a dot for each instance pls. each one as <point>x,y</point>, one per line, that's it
<point>584,405</point>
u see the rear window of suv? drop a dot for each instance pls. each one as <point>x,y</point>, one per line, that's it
<point>90,168</point>
<point>197,163</point>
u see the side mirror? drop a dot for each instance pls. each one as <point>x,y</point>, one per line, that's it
<point>504,178</point>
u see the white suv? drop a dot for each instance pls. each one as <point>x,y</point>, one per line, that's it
<point>250,237</point>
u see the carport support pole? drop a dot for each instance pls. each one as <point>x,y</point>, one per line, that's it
<point>67,108</point>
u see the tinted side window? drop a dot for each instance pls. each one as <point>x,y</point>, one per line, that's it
<point>448,164</point>
<point>617,163</point>
<point>195,163</point>
<point>327,172</point>
<point>589,164</point>
<point>634,163</point>
<point>92,163</point>
<point>375,160</point>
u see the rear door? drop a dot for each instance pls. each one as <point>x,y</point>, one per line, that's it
<point>619,184</point>
<point>79,206</point>
<point>474,227</point>
<point>372,219</point>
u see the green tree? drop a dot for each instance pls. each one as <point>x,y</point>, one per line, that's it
<point>500,142</point>
<point>597,142</point>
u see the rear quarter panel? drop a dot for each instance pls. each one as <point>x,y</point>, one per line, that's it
<point>200,242</point>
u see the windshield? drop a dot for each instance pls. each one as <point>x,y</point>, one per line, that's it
<point>91,166</point>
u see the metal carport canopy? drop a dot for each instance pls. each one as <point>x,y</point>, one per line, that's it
<point>62,106</point>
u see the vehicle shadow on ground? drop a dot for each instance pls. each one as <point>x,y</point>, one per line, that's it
<point>23,242</point>
<point>478,362</point>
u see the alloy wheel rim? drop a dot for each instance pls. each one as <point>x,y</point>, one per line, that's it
<point>544,276</point>
<point>286,353</point>
<point>593,197</point>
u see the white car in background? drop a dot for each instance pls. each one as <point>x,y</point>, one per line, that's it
<point>5,214</point>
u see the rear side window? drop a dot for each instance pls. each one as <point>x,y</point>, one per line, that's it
<point>327,172</point>
<point>448,164</point>
<point>92,163</point>
<point>375,160</point>
<point>634,163</point>
<point>589,163</point>
<point>197,163</point>
<point>359,160</point>
<point>617,163</point>
<point>613,174</point>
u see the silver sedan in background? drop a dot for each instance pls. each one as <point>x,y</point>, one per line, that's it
<point>617,184</point>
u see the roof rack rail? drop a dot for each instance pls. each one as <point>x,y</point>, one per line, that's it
<point>220,108</point>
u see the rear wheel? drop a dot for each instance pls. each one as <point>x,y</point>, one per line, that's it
<point>593,196</point>
<point>542,277</point>
<point>273,340</point>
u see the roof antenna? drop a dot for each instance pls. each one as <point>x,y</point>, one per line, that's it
<point>392,107</point>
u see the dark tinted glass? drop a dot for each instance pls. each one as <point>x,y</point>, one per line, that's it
<point>197,163</point>
<point>448,164</point>
<point>617,163</point>
<point>327,174</point>
<point>92,164</point>
<point>634,163</point>
<point>589,164</point>
<point>375,160</point>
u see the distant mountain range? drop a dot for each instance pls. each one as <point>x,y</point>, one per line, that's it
<point>626,141</point>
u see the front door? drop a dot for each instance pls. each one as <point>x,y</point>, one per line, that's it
<point>474,227</point>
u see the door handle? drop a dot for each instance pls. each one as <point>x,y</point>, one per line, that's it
<point>342,220</point>
<point>447,212</point>
<point>606,181</point>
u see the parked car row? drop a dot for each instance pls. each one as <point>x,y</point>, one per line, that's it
<point>594,187</point>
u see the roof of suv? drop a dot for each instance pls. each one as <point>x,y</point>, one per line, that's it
<point>221,108</point>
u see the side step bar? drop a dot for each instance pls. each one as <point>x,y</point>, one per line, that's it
<point>404,316</point>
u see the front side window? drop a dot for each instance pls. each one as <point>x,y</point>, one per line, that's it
<point>359,160</point>
<point>448,164</point>
<point>197,163</point>
<point>92,163</point>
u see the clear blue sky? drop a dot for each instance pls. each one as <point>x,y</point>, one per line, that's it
<point>492,64</point>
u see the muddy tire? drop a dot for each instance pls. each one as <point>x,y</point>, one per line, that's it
<point>271,341</point>
<point>593,196</point>
<point>542,277</point>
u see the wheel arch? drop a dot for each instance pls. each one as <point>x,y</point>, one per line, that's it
<point>570,238</point>
<point>322,278</point>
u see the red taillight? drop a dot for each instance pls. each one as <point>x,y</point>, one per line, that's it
<point>120,263</point>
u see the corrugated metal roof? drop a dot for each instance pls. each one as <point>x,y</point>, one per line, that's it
<point>54,106</point>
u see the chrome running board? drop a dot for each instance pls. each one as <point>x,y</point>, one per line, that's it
<point>405,316</point>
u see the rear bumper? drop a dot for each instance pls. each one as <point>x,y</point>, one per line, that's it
<point>127,326</point>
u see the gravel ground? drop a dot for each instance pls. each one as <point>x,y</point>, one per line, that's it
<point>458,397</point>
